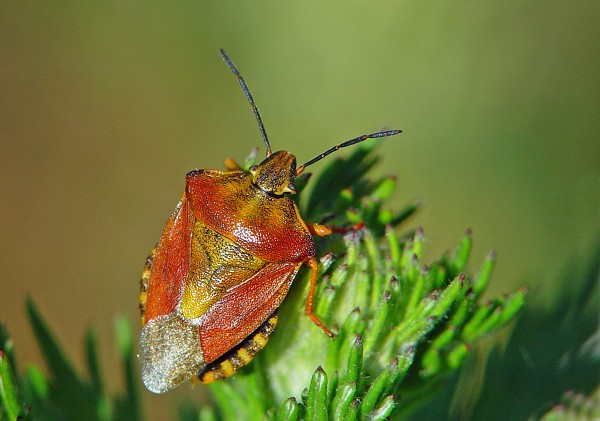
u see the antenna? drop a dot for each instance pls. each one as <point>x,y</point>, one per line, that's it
<point>350,142</point>
<point>246,91</point>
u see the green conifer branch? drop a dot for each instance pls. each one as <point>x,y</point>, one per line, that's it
<point>402,324</point>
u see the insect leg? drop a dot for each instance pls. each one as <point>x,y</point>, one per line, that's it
<point>344,230</point>
<point>318,229</point>
<point>231,165</point>
<point>314,270</point>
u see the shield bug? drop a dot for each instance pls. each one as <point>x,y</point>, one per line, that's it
<point>212,286</point>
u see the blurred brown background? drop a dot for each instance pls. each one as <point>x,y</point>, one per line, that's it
<point>104,107</point>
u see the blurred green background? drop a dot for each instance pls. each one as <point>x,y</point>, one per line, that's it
<point>104,106</point>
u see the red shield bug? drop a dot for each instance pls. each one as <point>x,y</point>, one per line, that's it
<point>226,258</point>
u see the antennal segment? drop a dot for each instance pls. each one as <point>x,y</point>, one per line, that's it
<point>350,142</point>
<point>246,91</point>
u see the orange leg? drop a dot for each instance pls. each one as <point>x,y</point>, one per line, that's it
<point>354,227</point>
<point>322,230</point>
<point>318,229</point>
<point>314,270</point>
<point>231,165</point>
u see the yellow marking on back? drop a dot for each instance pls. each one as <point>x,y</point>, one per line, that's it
<point>216,265</point>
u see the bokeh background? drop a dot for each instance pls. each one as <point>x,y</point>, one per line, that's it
<point>104,106</point>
